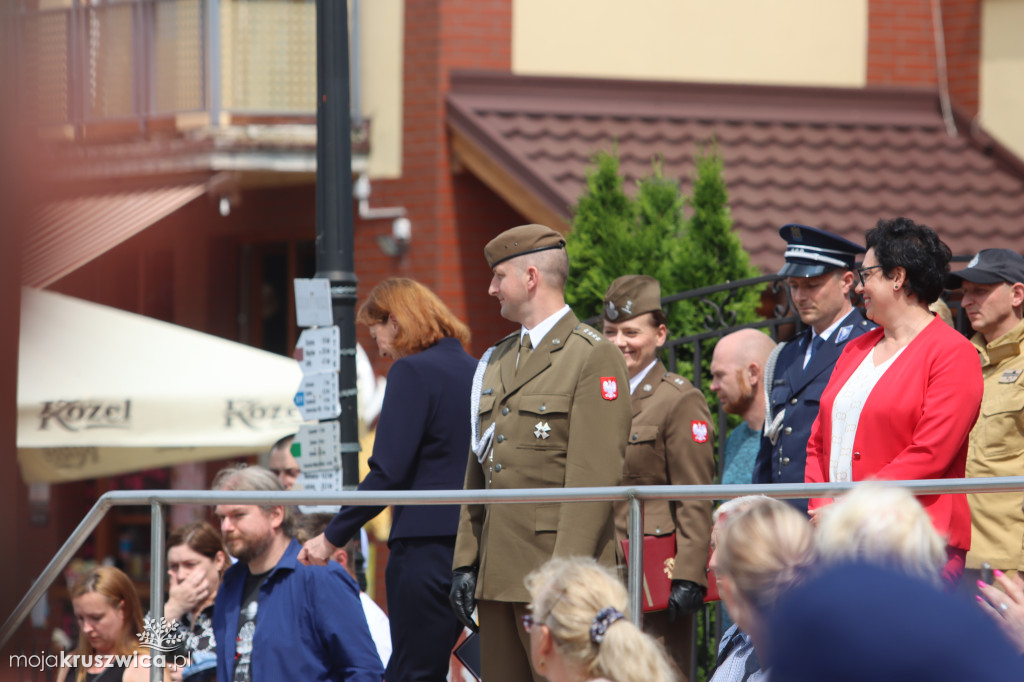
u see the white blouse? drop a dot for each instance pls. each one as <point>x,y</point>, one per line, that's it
<point>846,414</point>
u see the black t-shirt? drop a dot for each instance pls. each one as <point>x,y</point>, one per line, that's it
<point>247,626</point>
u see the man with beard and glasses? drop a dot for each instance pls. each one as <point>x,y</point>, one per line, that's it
<point>737,378</point>
<point>819,272</point>
<point>275,619</point>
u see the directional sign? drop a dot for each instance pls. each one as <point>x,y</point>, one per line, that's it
<point>313,303</point>
<point>319,350</point>
<point>318,396</point>
<point>317,447</point>
<point>320,482</point>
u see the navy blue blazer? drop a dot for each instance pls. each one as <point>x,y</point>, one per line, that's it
<point>422,443</point>
<point>798,391</point>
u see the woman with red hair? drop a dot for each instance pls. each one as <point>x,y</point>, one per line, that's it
<point>422,443</point>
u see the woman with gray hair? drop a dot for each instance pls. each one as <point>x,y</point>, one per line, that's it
<point>885,526</point>
<point>577,629</point>
<point>761,549</point>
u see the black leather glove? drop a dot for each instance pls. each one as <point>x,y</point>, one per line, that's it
<point>462,595</point>
<point>685,599</point>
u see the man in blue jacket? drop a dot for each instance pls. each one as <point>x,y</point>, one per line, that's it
<point>819,271</point>
<point>275,619</point>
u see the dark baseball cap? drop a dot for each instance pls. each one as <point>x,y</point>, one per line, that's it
<point>990,266</point>
<point>811,251</point>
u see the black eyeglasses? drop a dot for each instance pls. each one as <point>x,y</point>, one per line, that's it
<point>861,271</point>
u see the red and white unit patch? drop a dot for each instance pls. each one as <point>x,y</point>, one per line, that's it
<point>700,431</point>
<point>609,388</point>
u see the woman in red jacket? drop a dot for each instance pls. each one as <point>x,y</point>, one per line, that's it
<point>903,398</point>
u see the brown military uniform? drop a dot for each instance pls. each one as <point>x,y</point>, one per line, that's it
<point>670,443</point>
<point>555,427</point>
<point>996,448</point>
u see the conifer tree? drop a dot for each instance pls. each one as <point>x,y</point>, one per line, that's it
<point>616,235</point>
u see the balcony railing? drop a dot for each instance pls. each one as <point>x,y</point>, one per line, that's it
<point>133,61</point>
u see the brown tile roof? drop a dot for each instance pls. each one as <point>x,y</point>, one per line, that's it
<point>835,158</point>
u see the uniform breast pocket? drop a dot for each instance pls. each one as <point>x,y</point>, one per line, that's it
<point>643,456</point>
<point>1001,423</point>
<point>543,422</point>
<point>484,410</point>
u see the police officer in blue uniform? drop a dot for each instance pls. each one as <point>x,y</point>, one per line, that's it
<point>819,272</point>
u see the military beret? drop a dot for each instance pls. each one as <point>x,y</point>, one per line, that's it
<point>631,295</point>
<point>522,240</point>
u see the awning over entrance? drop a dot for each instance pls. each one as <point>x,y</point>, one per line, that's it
<point>102,392</point>
<point>68,233</point>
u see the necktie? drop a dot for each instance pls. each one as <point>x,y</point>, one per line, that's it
<point>524,351</point>
<point>816,343</point>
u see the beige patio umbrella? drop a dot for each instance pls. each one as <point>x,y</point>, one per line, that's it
<point>103,392</point>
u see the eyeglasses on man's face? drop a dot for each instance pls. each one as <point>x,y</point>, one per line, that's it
<point>528,622</point>
<point>862,277</point>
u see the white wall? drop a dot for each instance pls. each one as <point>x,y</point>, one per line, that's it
<point>793,42</point>
<point>1002,71</point>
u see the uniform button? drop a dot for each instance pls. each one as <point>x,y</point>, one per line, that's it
<point>501,438</point>
<point>788,430</point>
<point>785,461</point>
<point>543,407</point>
<point>856,455</point>
<point>504,411</point>
<point>497,467</point>
<point>635,436</point>
<point>658,531</point>
<point>792,401</point>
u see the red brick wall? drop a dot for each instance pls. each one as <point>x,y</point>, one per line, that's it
<point>901,46</point>
<point>452,216</point>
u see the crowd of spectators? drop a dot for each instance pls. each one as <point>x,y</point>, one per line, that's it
<point>894,393</point>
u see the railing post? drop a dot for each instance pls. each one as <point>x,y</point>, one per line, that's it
<point>211,45</point>
<point>635,581</point>
<point>156,579</point>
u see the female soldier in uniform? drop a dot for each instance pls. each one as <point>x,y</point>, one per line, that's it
<point>669,443</point>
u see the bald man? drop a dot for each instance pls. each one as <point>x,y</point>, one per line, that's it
<point>283,464</point>
<point>737,376</point>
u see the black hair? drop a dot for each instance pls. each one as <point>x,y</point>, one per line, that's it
<point>901,243</point>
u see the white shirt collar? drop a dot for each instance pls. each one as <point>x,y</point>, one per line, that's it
<point>828,332</point>
<point>541,329</point>
<point>635,381</point>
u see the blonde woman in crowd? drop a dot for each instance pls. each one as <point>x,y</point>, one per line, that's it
<point>885,526</point>
<point>109,617</point>
<point>578,630</point>
<point>761,549</point>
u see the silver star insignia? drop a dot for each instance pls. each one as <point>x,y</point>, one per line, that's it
<point>541,430</point>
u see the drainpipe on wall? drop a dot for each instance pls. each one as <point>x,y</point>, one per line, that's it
<point>940,68</point>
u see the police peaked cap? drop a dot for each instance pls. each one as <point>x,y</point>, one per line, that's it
<point>811,252</point>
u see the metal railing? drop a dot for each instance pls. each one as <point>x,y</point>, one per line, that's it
<point>157,499</point>
<point>81,63</point>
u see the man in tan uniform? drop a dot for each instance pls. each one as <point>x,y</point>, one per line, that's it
<point>552,411</point>
<point>670,443</point>
<point>993,294</point>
